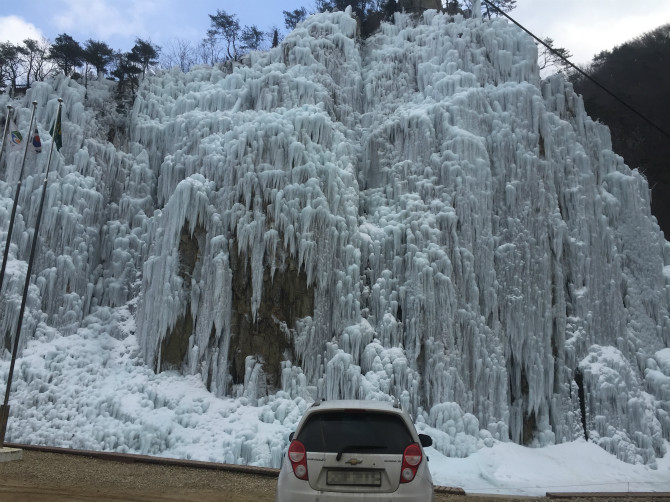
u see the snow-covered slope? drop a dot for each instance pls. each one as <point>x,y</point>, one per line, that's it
<point>413,215</point>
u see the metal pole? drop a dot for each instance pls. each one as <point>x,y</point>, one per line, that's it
<point>4,414</point>
<point>16,201</point>
<point>4,134</point>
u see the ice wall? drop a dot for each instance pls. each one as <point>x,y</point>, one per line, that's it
<point>474,246</point>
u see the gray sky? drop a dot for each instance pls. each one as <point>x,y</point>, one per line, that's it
<point>584,27</point>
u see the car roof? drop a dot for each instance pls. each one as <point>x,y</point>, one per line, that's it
<point>341,404</point>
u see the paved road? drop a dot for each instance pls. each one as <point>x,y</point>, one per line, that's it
<point>58,477</point>
<point>52,477</point>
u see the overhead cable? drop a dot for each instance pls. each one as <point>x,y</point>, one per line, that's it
<point>582,72</point>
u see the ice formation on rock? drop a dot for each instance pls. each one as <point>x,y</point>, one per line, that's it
<point>472,244</point>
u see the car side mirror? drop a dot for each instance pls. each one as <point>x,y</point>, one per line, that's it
<point>426,440</point>
<point>290,436</point>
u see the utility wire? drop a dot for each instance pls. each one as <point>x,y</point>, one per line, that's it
<point>582,72</point>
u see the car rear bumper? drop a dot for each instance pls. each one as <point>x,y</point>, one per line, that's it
<point>291,489</point>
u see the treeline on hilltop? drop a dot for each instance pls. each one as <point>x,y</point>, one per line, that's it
<point>371,13</point>
<point>35,60</point>
<point>228,40</point>
<point>638,73</point>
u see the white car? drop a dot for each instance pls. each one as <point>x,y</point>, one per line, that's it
<point>355,450</point>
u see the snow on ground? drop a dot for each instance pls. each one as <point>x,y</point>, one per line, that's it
<point>91,390</point>
<point>580,466</point>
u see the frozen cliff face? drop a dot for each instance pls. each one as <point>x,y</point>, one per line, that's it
<point>413,215</point>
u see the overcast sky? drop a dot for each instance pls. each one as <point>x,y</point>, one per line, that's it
<point>584,27</point>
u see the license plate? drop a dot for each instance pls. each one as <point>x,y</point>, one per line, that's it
<point>357,478</point>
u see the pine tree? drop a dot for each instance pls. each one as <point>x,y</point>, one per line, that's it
<point>554,56</point>
<point>251,38</point>
<point>99,55</point>
<point>359,7</point>
<point>453,7</point>
<point>127,72</point>
<point>492,8</point>
<point>226,26</point>
<point>66,53</point>
<point>292,18</point>
<point>144,54</point>
<point>10,62</point>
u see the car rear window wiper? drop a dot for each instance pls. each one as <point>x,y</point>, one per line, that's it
<point>356,447</point>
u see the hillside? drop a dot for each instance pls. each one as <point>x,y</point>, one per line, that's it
<point>415,215</point>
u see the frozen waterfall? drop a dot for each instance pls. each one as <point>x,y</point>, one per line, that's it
<point>415,215</point>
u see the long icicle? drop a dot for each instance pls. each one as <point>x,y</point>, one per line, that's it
<point>5,407</point>
<point>16,200</point>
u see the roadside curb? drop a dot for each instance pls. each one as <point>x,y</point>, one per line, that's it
<point>146,459</point>
<point>10,454</point>
<point>196,464</point>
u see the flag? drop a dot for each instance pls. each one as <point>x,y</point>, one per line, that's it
<point>37,144</point>
<point>14,136</point>
<point>56,131</point>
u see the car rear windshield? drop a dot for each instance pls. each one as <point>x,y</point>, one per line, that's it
<point>355,431</point>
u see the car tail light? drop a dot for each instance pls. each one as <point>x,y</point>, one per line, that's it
<point>298,457</point>
<point>411,459</point>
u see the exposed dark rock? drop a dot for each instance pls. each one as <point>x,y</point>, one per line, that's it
<point>285,298</point>
<point>174,346</point>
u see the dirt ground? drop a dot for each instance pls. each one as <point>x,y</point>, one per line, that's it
<point>57,477</point>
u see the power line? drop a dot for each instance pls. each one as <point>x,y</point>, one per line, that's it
<point>582,72</point>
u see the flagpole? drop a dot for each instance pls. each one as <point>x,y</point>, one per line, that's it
<point>4,412</point>
<point>16,201</point>
<point>4,134</point>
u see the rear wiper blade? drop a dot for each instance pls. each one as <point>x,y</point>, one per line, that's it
<point>355,447</point>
